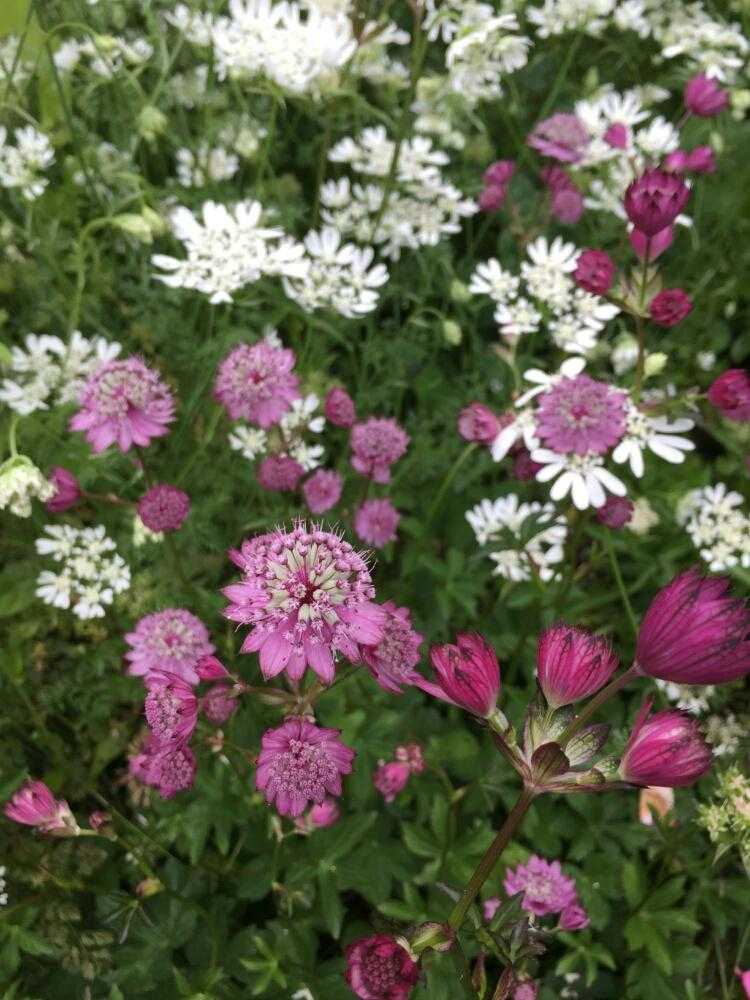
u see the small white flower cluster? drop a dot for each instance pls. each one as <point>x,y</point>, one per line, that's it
<point>301,420</point>
<point>484,52</point>
<point>195,169</point>
<point>592,17</point>
<point>12,60</point>
<point>687,30</point>
<point>726,734</point>
<point>20,483</point>
<point>524,539</point>
<point>105,55</point>
<point>21,165</point>
<point>49,372</point>
<point>695,700</point>
<point>717,526</point>
<point>3,886</point>
<point>91,572</point>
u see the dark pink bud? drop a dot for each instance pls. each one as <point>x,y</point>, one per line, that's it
<point>492,197</point>
<point>279,474</point>
<point>573,918</point>
<point>572,664</point>
<point>524,466</point>
<point>477,422</point>
<point>326,814</point>
<point>667,750</point>
<point>676,161</point>
<point>730,394</point>
<point>98,819</point>
<point>617,136</point>
<point>654,200</point>
<point>704,97</point>
<point>595,272</point>
<point>695,632</point>
<point>567,205</point>
<point>468,674</point>
<point>67,490</point>
<point>556,178</point>
<point>700,160</point>
<point>378,968</point>
<point>391,778</point>
<point>656,246</point>
<point>499,173</point>
<point>339,408</point>
<point>525,989</point>
<point>616,512</point>
<point>35,805</point>
<point>218,705</point>
<point>163,508</point>
<point>670,306</point>
<point>209,668</point>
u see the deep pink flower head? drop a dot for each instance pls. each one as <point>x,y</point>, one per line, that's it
<point>322,490</point>
<point>209,668</point>
<point>499,172</point>
<point>700,160</point>
<point>307,595</point>
<point>300,763</point>
<point>595,272</point>
<point>256,382</point>
<point>391,778</point>
<point>172,641</point>
<point>581,415</point>
<point>35,805</point>
<point>279,473</point>
<point>670,306</point>
<point>339,408</point>
<point>704,97</point>
<point>67,490</point>
<point>667,750</point>
<point>378,968</point>
<point>326,814</point>
<point>393,659</point>
<point>123,403</point>
<point>164,508</point>
<point>744,978</point>
<point>468,674</point>
<point>655,246</point>
<point>171,707</point>
<point>169,767</point>
<point>654,200</point>
<point>730,394</point>
<point>617,135</point>
<point>477,422</point>
<point>411,754</point>
<point>376,522</point>
<point>563,137</point>
<point>524,466</point>
<point>545,889</point>
<point>573,918</point>
<point>218,705</point>
<point>616,512</point>
<point>695,632</point>
<point>525,989</point>
<point>492,197</point>
<point>572,664</point>
<point>567,205</point>
<point>376,444</point>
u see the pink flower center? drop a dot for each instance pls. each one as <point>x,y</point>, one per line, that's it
<point>174,640</point>
<point>381,972</point>
<point>163,712</point>
<point>304,770</point>
<point>581,415</point>
<point>541,888</point>
<point>118,391</point>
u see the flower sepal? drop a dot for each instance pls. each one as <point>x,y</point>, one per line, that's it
<point>431,937</point>
<point>582,748</point>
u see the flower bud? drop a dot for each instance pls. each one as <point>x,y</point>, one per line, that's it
<point>586,744</point>
<point>595,272</point>
<point>666,749</point>
<point>436,937</point>
<point>339,408</point>
<point>704,97</point>
<point>730,395</point>
<point>133,225</point>
<point>669,307</point>
<point>468,674</point>
<point>656,247</point>
<point>67,490</point>
<point>379,959</point>
<point>654,200</point>
<point>477,422</point>
<point>654,364</point>
<point>452,332</point>
<point>572,664</point>
<point>152,123</point>
<point>35,805</point>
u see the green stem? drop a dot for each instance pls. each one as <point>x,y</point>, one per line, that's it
<point>613,688</point>
<point>12,435</point>
<point>561,75</point>
<point>450,476</point>
<point>620,583</point>
<point>640,325</point>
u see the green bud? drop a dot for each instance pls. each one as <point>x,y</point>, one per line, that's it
<point>151,123</point>
<point>459,292</point>
<point>155,222</point>
<point>654,364</point>
<point>133,225</point>
<point>452,333</point>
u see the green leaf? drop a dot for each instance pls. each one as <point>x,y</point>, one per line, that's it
<point>330,904</point>
<point>633,882</point>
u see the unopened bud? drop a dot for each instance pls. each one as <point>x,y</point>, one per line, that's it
<point>459,292</point>
<point>434,936</point>
<point>452,333</point>
<point>152,123</point>
<point>133,225</point>
<point>148,887</point>
<point>654,364</point>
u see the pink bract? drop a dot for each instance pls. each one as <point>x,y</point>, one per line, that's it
<point>666,749</point>
<point>393,659</point>
<point>378,968</point>
<point>499,172</point>
<point>171,707</point>
<point>391,778</point>
<point>256,382</point>
<point>574,918</point>
<point>376,444</point>
<point>172,641</point>
<point>544,886</point>
<point>67,490</point>
<point>581,415</point>
<point>654,200</point>
<point>616,512</point>
<point>376,521</point>
<point>572,664</point>
<point>704,97</point>
<point>326,814</point>
<point>468,674</point>
<point>164,508</point>
<point>35,805</point>
<point>339,408</point>
<point>218,704</point>
<point>477,422</point>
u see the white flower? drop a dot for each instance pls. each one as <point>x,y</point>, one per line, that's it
<point>505,522</point>
<point>522,428</point>
<point>656,434</point>
<point>481,54</point>
<point>558,256</point>
<point>54,588</point>
<point>195,27</point>
<point>643,517</point>
<point>309,456</point>
<point>517,318</point>
<point>20,483</point>
<point>303,415</point>
<point>706,360</point>
<point>250,442</point>
<point>583,476</point>
<point>207,164</point>
<point>489,278</point>
<point>91,571</point>
<point>21,165</point>
<point>717,526</point>
<point>688,699</point>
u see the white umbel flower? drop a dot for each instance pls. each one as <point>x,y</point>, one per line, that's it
<point>20,483</point>
<point>582,476</point>
<point>655,434</point>
<point>522,538</point>
<point>91,572</point>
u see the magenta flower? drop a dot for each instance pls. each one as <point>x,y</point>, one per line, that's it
<point>730,395</point>
<point>694,632</point>
<point>168,767</point>
<point>595,272</point>
<point>492,197</point>
<point>67,490</point>
<point>218,704</point>
<point>700,160</point>
<point>307,596</point>
<point>376,521</point>
<point>704,97</point>
<point>328,813</point>
<point>123,403</point>
<point>339,408</point>
<point>477,422</point>
<point>164,508</point>
<point>378,968</point>
<point>582,416</point>
<point>616,512</point>
<point>744,978</point>
<point>499,172</point>
<point>572,664</point>
<point>655,246</point>
<point>279,474</point>
<point>393,659</point>
<point>411,754</point>
<point>617,136</point>
<point>172,641</point>
<point>376,444</point>
<point>171,707</point>
<point>524,466</point>
<point>35,805</point>
<point>567,205</point>
<point>670,306</point>
<point>322,490</point>
<point>468,674</point>
<point>391,778</point>
<point>666,750</point>
<point>525,989</point>
<point>654,200</point>
<point>256,382</point>
<point>299,763</point>
<point>490,907</point>
<point>545,889</point>
<point>562,137</point>
<point>556,178</point>
<point>209,668</point>
<point>573,918</point>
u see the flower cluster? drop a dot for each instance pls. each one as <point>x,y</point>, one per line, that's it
<point>90,572</point>
<point>103,56</point>
<point>391,777</point>
<point>22,164</point>
<point>727,817</point>
<point>717,525</point>
<point>522,539</point>
<point>20,483</point>
<point>546,891</point>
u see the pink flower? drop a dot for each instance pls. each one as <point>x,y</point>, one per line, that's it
<point>670,306</point>
<point>168,767</point>
<point>171,707</point>
<point>556,178</point>
<point>694,632</point>
<point>525,989</point>
<point>744,978</point>
<point>410,754</point>
<point>617,136</point>
<point>299,763</point>
<point>567,205</point>
<point>700,160</point>
<point>99,819</point>
<point>563,137</point>
<point>326,814</point>
<point>595,272</point>
<point>468,674</point>
<point>67,490</point>
<point>730,395</point>
<point>322,490</point>
<point>376,522</point>
<point>123,403</point>
<point>307,595</point>
<point>581,415</point>
<point>573,918</point>
<point>572,664</point>
<point>490,907</point>
<point>704,97</point>
<point>279,474</point>
<point>393,659</point>
<point>172,641</point>
<point>256,382</point>
<point>164,508</point>
<point>339,408</point>
<point>666,749</point>
<point>654,200</point>
<point>218,705</point>
<point>655,246</point>
<point>211,669</point>
<point>376,444</point>
<point>378,968</point>
<point>616,512</point>
<point>35,805</point>
<point>545,889</point>
<point>499,172</point>
<point>524,466</point>
<point>391,778</point>
<point>477,422</point>
<point>491,198</point>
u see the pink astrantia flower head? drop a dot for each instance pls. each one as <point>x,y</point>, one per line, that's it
<point>490,907</point>
<point>566,205</point>
<point>376,444</point>
<point>573,918</point>
<point>499,172</point>
<point>339,408</point>
<point>67,490</point>
<point>411,754</point>
<point>391,778</point>
<point>595,272</point>
<point>256,382</point>
<point>581,415</point>
<point>492,197</point>
<point>300,763</point>
<point>544,886</point>
<point>209,668</point>
<point>730,395</point>
<point>378,968</point>
<point>654,200</point>
<point>700,160</point>
<point>468,674</point>
<point>168,767</point>
<point>164,508</point>
<point>666,749</point>
<point>477,422</point>
<point>123,403</point>
<point>654,246</point>
<point>670,306</point>
<point>376,521</point>
<point>307,595</point>
<point>393,660</point>
<point>525,989</point>
<point>616,512</point>
<point>172,641</point>
<point>704,97</point>
<point>279,474</point>
<point>35,805</point>
<point>556,178</point>
<point>617,136</point>
<point>572,664</point>
<point>322,490</point>
<point>171,707</point>
<point>562,137</point>
<point>218,705</point>
<point>695,632</point>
